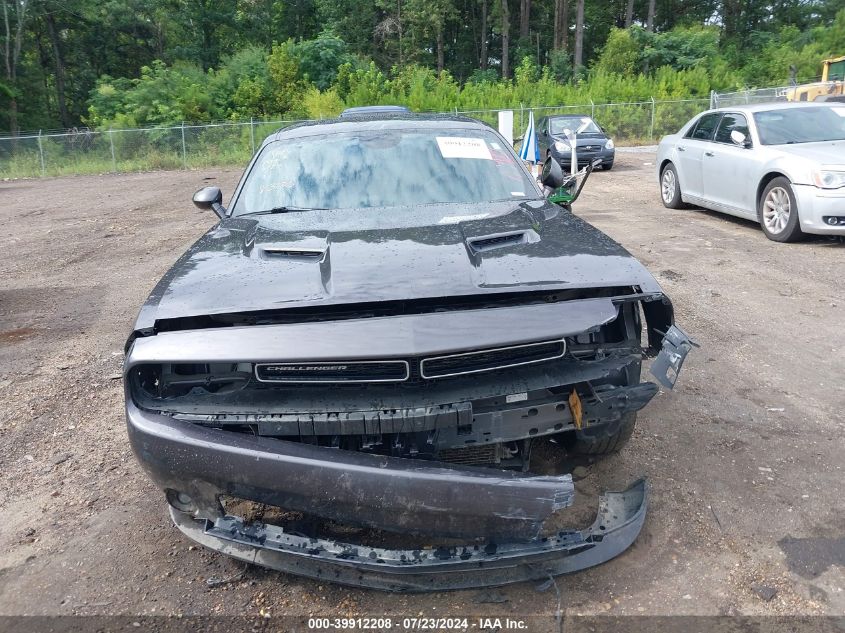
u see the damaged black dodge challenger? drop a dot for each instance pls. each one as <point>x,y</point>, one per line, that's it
<point>384,322</point>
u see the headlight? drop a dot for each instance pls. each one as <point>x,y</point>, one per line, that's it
<point>829,179</point>
<point>562,146</point>
<point>609,144</point>
<point>173,380</point>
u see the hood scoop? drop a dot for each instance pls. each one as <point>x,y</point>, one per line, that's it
<point>292,246</point>
<point>484,243</point>
<point>305,266</point>
<point>296,253</point>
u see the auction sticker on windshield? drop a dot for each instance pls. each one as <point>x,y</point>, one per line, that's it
<point>463,147</point>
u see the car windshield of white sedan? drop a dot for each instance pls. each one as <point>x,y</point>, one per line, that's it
<point>801,125</point>
<point>383,168</point>
<point>579,125</point>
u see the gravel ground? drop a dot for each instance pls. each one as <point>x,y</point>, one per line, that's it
<point>745,458</point>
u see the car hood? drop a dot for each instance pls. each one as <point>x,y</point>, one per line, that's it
<point>826,153</point>
<point>273,262</point>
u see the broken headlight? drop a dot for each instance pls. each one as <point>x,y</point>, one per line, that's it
<point>171,380</point>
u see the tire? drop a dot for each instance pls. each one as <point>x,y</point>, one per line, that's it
<point>670,188</point>
<point>604,439</point>
<point>607,166</point>
<point>777,212</point>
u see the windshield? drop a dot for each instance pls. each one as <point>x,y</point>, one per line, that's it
<point>801,125</point>
<point>579,125</point>
<point>384,168</point>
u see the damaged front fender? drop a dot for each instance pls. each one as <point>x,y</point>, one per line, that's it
<point>667,366</point>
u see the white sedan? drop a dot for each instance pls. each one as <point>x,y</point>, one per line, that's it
<point>780,164</point>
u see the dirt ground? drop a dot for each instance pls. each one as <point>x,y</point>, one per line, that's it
<point>745,458</point>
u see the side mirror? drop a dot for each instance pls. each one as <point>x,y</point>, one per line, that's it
<point>210,198</point>
<point>552,174</point>
<point>740,139</point>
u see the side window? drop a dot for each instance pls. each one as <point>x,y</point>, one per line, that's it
<point>703,130</point>
<point>836,72</point>
<point>729,123</point>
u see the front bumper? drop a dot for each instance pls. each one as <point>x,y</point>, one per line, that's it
<point>815,204</point>
<point>606,156</point>
<point>195,465</point>
<point>394,494</point>
<point>618,523</point>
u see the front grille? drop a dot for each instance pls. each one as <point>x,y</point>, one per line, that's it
<point>491,359</point>
<point>349,372</point>
<point>334,372</point>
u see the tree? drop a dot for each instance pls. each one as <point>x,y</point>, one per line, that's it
<point>14,29</point>
<point>356,22</point>
<point>61,101</point>
<point>288,87</point>
<point>429,19</point>
<point>320,58</point>
<point>629,14</point>
<point>681,48</point>
<point>204,29</point>
<point>524,18</point>
<point>649,24</point>
<point>506,36</point>
<point>621,53</point>
<point>484,56</point>
<point>578,62</point>
<point>561,25</point>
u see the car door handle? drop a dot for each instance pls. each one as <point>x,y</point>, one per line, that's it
<point>708,153</point>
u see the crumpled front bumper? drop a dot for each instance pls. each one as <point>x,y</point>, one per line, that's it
<point>195,465</point>
<point>618,523</point>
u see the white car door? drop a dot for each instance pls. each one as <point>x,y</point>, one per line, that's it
<point>690,151</point>
<point>727,169</point>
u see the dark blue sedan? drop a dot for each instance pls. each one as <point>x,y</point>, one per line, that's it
<point>591,140</point>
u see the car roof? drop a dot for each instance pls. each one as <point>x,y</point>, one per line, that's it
<point>772,105</point>
<point>569,116</point>
<point>372,109</point>
<point>378,121</point>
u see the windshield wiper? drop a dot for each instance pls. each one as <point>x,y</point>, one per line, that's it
<point>284,209</point>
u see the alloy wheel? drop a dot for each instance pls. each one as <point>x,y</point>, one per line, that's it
<point>668,185</point>
<point>776,210</point>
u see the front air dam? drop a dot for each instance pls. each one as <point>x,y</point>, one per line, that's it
<point>618,523</point>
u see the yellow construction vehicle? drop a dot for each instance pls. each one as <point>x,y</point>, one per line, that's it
<point>830,88</point>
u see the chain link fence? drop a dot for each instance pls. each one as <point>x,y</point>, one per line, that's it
<point>745,97</point>
<point>631,123</point>
<point>85,151</point>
